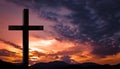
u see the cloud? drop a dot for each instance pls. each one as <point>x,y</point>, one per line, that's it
<point>92,21</point>
<point>9,56</point>
<point>66,59</point>
<point>105,50</point>
<point>12,44</point>
<point>36,53</point>
<point>4,52</point>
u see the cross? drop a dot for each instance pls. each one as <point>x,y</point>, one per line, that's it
<point>25,29</point>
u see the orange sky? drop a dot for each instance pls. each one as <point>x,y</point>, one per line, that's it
<point>50,49</point>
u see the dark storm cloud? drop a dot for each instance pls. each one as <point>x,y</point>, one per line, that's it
<point>12,44</point>
<point>93,21</point>
<point>105,50</point>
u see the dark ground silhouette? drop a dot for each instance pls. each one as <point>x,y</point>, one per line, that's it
<point>63,65</point>
<point>59,65</point>
<point>7,65</point>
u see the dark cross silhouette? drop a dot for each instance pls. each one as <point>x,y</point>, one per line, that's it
<point>25,29</point>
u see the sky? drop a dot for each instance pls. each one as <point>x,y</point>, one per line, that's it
<point>75,31</point>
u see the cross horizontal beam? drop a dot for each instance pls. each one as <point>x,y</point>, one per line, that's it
<point>22,27</point>
<point>15,27</point>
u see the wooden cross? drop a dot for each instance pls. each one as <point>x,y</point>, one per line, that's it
<point>25,29</point>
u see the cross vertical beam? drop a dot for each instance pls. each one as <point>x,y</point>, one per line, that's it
<point>25,38</point>
<point>25,29</point>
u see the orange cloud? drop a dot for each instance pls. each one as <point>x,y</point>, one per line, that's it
<point>9,53</point>
<point>50,49</point>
